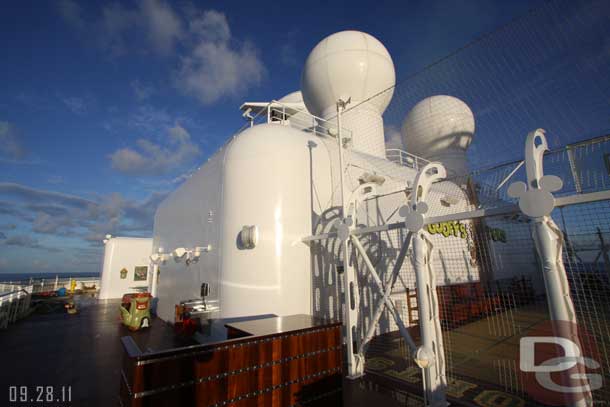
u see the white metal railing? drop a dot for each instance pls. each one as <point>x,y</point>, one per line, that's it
<point>41,285</point>
<point>405,159</point>
<point>14,305</point>
<point>277,112</point>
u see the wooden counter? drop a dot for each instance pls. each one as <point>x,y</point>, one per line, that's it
<point>278,361</point>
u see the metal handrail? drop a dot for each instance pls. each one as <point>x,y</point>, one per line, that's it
<point>405,159</point>
<point>4,294</point>
<point>315,124</point>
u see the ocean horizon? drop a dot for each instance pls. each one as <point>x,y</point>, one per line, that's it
<point>27,276</point>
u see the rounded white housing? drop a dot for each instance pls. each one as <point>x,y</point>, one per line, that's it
<point>440,128</point>
<point>351,64</point>
<point>262,180</point>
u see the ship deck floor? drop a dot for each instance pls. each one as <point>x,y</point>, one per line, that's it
<point>84,351</point>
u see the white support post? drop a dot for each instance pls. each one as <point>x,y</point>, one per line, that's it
<point>536,201</point>
<point>430,355</point>
<point>355,366</point>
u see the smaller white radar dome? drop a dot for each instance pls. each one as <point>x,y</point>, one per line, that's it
<point>347,64</point>
<point>440,128</point>
<point>293,97</point>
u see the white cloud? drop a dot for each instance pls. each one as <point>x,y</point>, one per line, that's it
<point>27,241</point>
<point>10,142</point>
<point>149,158</point>
<point>72,13</point>
<point>59,214</point>
<point>113,27</point>
<point>215,69</point>
<point>117,25</point>
<point>162,23</point>
<point>211,25</point>
<point>141,91</point>
<point>150,119</point>
<point>212,64</point>
<point>75,104</point>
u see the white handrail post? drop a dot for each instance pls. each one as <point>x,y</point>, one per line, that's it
<point>350,316</point>
<point>431,350</point>
<point>536,201</point>
<point>430,355</point>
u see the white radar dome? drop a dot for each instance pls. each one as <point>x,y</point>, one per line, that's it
<point>347,64</point>
<point>293,97</point>
<point>440,128</point>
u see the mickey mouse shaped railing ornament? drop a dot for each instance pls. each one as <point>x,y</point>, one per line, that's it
<point>535,198</point>
<point>367,189</point>
<point>417,208</point>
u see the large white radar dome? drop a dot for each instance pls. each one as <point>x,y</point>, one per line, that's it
<point>440,128</point>
<point>343,65</point>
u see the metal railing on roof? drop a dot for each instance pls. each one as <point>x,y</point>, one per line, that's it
<point>280,113</point>
<point>405,159</point>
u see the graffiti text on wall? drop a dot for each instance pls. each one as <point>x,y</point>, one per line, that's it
<point>453,228</point>
<point>497,235</point>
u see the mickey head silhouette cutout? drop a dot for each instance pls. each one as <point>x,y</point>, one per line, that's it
<point>536,202</point>
<point>342,226</point>
<point>414,215</point>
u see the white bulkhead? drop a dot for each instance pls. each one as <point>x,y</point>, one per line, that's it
<point>126,266</point>
<point>261,178</point>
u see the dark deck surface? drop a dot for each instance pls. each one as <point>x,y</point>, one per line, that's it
<point>84,351</point>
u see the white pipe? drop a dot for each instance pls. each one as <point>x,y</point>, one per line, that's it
<point>153,283</point>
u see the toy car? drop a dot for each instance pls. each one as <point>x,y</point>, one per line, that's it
<point>135,310</point>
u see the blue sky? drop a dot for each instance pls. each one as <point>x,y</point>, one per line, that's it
<point>106,105</point>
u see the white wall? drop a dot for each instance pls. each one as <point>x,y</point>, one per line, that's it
<point>124,253</point>
<point>188,218</point>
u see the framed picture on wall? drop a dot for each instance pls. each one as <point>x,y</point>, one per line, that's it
<point>140,273</point>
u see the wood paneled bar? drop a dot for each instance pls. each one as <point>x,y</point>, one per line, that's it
<point>277,361</point>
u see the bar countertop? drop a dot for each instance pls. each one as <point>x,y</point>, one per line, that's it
<point>277,325</point>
